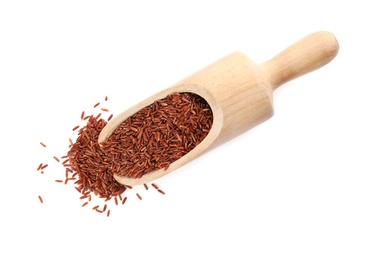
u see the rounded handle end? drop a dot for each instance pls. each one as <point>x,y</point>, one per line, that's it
<point>308,54</point>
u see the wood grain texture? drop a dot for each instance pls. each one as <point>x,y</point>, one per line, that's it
<point>310,53</point>
<point>239,92</point>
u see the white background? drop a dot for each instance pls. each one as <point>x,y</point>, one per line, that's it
<point>299,186</point>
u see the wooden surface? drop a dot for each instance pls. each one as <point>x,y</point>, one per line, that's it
<point>239,92</point>
<point>309,53</point>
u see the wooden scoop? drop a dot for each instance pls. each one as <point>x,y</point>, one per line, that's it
<point>239,92</point>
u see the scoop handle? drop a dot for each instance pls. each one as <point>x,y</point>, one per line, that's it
<point>309,53</point>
